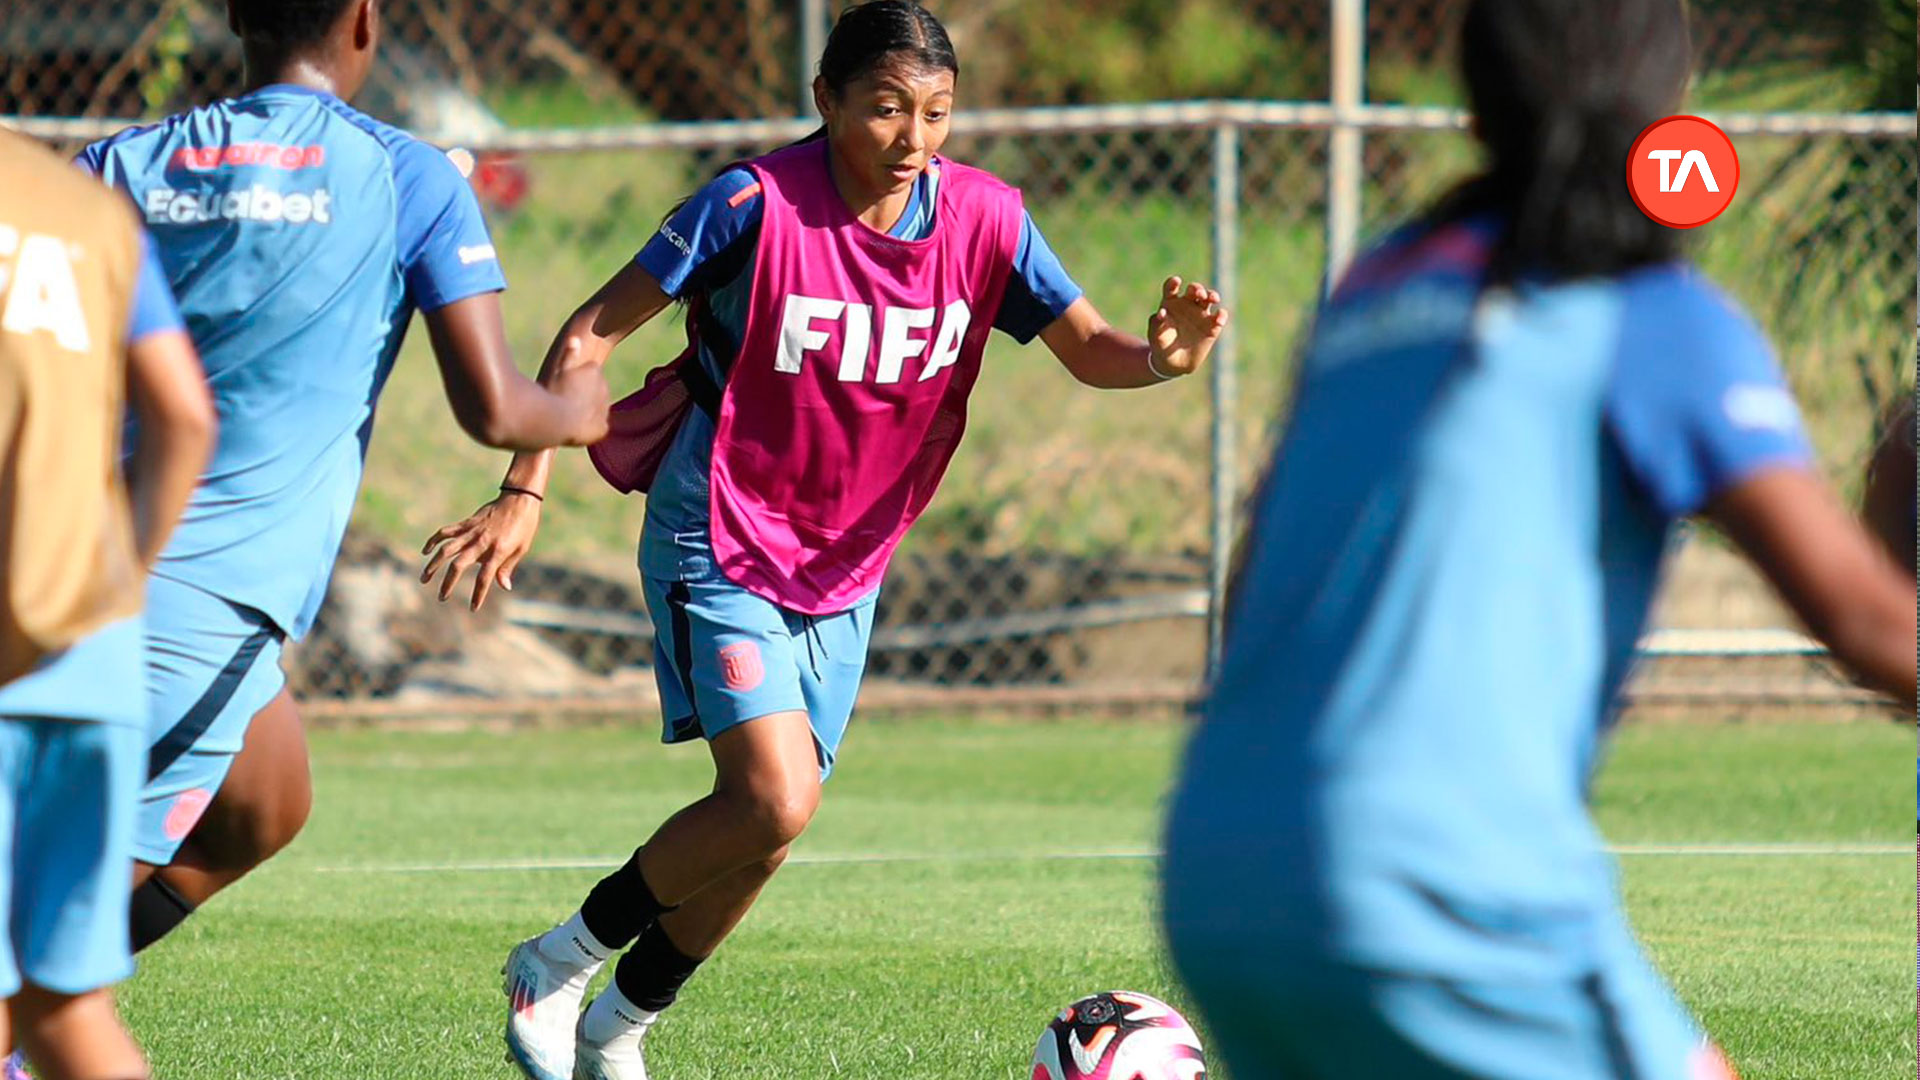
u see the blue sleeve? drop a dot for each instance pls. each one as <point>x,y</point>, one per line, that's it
<point>1698,405</point>
<point>446,253</point>
<point>153,310</point>
<point>700,238</point>
<point>93,157</point>
<point>1039,291</point>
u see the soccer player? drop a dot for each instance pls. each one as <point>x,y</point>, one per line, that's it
<point>840,294</point>
<point>299,236</point>
<point>1379,858</point>
<point>87,327</point>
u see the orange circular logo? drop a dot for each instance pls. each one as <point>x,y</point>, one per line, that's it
<point>1683,171</point>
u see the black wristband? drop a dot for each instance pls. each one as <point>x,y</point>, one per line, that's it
<point>509,489</point>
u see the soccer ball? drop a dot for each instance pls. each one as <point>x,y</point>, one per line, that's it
<point>1118,1036</point>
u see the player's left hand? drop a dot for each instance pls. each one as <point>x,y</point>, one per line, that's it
<point>493,538</point>
<point>1183,331</point>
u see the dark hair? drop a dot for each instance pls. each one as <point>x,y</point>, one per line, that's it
<point>871,36</point>
<point>287,25</point>
<point>1561,89</point>
<point>867,38</point>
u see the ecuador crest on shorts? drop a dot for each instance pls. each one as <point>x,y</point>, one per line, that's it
<point>741,667</point>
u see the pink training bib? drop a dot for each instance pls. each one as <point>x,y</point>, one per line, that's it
<point>850,392</point>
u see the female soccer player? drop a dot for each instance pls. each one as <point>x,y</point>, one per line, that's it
<point>300,236</point>
<point>840,294</point>
<point>1379,857</point>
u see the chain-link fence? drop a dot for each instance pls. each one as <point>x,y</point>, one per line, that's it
<point>1073,552</point>
<point>639,60</point>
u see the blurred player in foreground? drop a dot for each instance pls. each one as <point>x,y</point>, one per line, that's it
<point>841,292</point>
<point>87,327</point>
<point>1380,861</point>
<point>300,236</point>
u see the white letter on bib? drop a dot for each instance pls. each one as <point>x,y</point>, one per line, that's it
<point>896,346</point>
<point>797,335</point>
<point>946,346</point>
<point>858,342</point>
<point>44,295</point>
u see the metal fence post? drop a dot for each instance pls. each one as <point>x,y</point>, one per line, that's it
<point>813,41</point>
<point>1226,264</point>
<point>1344,144</point>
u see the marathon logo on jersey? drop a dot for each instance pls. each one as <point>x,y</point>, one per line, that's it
<point>904,335</point>
<point>38,290</point>
<point>259,203</point>
<point>264,155</point>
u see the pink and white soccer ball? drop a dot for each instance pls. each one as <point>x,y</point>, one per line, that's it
<point>1119,1036</point>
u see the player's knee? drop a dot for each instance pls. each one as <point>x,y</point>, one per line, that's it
<point>278,823</point>
<point>289,816</point>
<point>776,814</point>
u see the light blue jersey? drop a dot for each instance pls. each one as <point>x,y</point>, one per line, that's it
<point>1449,567</point>
<point>299,237</point>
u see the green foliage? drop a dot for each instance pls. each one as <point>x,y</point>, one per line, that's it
<point>563,103</point>
<point>1884,41</point>
<point>946,964</point>
<point>166,72</point>
<point>1136,50</point>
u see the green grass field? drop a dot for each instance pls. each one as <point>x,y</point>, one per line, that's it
<point>930,924</point>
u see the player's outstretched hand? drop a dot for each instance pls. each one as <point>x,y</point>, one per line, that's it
<point>494,538</point>
<point>1183,331</point>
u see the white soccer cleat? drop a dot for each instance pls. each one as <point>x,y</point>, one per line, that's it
<point>618,1059</point>
<point>543,1005</point>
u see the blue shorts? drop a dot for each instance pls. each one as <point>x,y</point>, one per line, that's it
<point>723,656</point>
<point>71,742</point>
<point>211,665</point>
<point>1295,1019</point>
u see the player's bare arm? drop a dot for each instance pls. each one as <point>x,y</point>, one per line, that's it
<point>497,536</point>
<point>1841,583</point>
<point>496,404</point>
<point>168,392</point>
<point>1180,334</point>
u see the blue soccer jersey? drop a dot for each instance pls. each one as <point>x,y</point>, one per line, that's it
<point>299,237</point>
<point>1449,566</point>
<point>708,248</point>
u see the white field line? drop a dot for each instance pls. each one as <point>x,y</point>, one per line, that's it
<point>606,862</point>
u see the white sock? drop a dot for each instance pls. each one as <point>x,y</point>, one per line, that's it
<point>572,945</point>
<point>612,1016</point>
